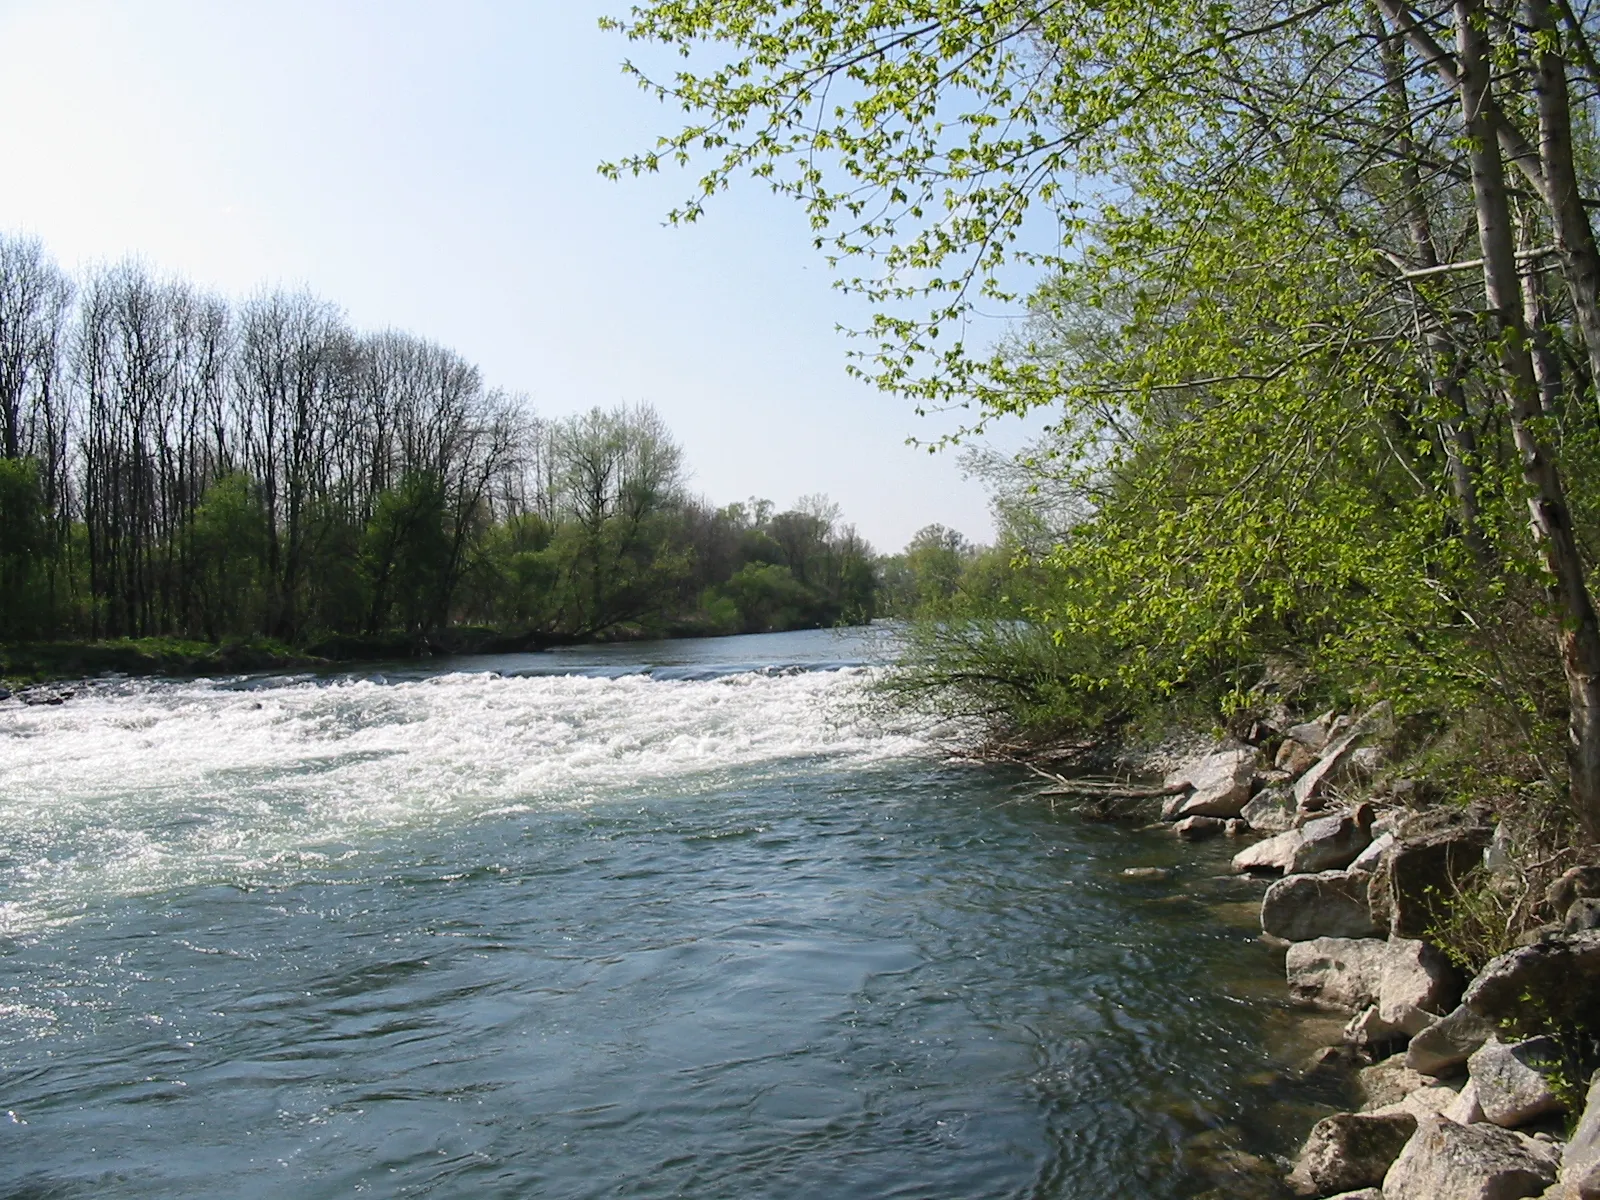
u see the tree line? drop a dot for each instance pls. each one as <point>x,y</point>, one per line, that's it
<point>178,465</point>
<point>1312,294</point>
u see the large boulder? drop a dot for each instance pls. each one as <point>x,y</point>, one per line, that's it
<point>1575,883</point>
<point>1513,1084</point>
<point>1334,764</point>
<point>1298,908</point>
<point>1271,810</point>
<point>1270,854</point>
<point>1417,880</point>
<point>1446,1161</point>
<point>1336,974</point>
<point>1350,1150</point>
<point>1332,843</point>
<point>1580,1161</point>
<point>1448,1042</point>
<point>1554,982</point>
<point>1219,783</point>
<point>1410,983</point>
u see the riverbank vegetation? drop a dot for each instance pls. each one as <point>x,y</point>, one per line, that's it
<point>1311,295</point>
<point>262,476</point>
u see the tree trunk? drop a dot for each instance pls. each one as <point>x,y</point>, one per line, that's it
<point>1578,639</point>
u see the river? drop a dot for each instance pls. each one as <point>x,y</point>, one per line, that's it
<point>677,919</point>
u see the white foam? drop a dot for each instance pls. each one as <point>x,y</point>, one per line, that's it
<point>156,785</point>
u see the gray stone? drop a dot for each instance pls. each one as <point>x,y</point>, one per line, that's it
<point>1370,1031</point>
<point>1219,783</point>
<point>1466,1110</point>
<point>1446,1161</point>
<point>1359,1194</point>
<point>1334,763</point>
<point>1367,861</point>
<point>1434,1100</point>
<point>1448,1042</point>
<point>1512,1085</point>
<point>1312,734</point>
<point>1350,1150</point>
<point>1387,1082</point>
<point>1271,810</point>
<point>1419,985</point>
<point>1583,915</point>
<point>1575,883</point>
<point>1554,982</point>
<point>1336,974</point>
<point>1580,1161</point>
<point>1295,758</point>
<point>1270,854</point>
<point>1193,829</point>
<point>1417,880</point>
<point>1332,843</point>
<point>1298,908</point>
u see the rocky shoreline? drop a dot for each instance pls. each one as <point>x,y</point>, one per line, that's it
<point>1475,1085</point>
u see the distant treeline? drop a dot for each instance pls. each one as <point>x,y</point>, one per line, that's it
<point>175,464</point>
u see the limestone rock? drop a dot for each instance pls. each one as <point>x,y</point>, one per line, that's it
<point>1295,758</point>
<point>1448,1042</point>
<point>1583,915</point>
<point>1336,974</point>
<point>1446,1161</point>
<point>1350,1150</point>
<point>1271,810</point>
<point>1369,859</point>
<point>1193,829</point>
<point>1580,1161</point>
<point>1332,843</point>
<point>1298,908</point>
<point>1512,1086</point>
<point>1419,984</point>
<point>1466,1110</point>
<point>1576,883</point>
<point>1334,762</point>
<point>1311,734</point>
<point>1559,977</point>
<point>1220,783</point>
<point>1419,876</point>
<point>1388,1081</point>
<point>1435,1100</point>
<point>1270,854</point>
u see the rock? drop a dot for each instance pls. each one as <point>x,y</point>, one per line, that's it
<point>1580,1161</point>
<point>1388,1081</point>
<point>1219,783</point>
<point>1335,1060</point>
<point>1369,859</point>
<point>1447,1161</point>
<point>1148,873</point>
<point>1418,878</point>
<point>1360,1194</point>
<point>1295,758</point>
<point>1193,829</point>
<point>1408,982</point>
<point>1350,1150</point>
<point>1330,843</point>
<point>1555,982</point>
<point>1236,827</point>
<point>1433,1100</point>
<point>1583,915</point>
<point>1271,810</point>
<point>1448,1042</point>
<point>1298,908</point>
<point>1419,985</point>
<point>1370,1031</point>
<point>1575,883</point>
<point>1512,1085</point>
<point>1334,764</point>
<point>1466,1110</point>
<point>1336,974</point>
<point>1271,854</point>
<point>1312,734</point>
<point>1365,762</point>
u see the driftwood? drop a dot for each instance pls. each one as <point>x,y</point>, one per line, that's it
<point>1104,789</point>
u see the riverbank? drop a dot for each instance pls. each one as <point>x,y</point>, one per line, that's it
<point>1463,950</point>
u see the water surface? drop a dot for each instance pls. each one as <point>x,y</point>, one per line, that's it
<point>680,919</point>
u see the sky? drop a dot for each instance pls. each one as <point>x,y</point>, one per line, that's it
<point>432,167</point>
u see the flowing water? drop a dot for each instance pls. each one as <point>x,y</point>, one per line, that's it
<point>672,920</point>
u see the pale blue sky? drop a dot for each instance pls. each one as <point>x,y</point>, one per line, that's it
<point>431,166</point>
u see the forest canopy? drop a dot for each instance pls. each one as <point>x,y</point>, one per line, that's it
<point>177,465</point>
<point>1310,292</point>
